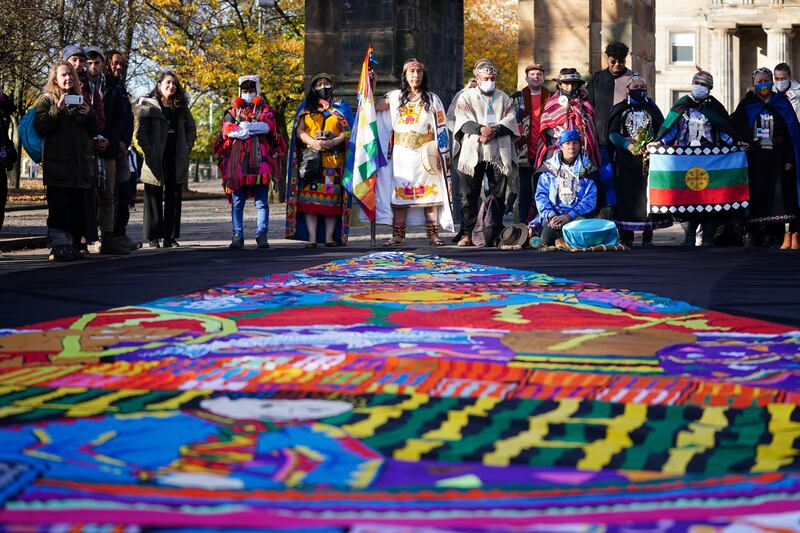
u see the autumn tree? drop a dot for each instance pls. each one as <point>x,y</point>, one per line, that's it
<point>491,30</point>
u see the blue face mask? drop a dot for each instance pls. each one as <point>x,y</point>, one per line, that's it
<point>248,97</point>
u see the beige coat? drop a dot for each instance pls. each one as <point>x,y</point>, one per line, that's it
<point>151,135</point>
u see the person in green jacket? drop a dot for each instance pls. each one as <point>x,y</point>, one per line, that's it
<point>166,135</point>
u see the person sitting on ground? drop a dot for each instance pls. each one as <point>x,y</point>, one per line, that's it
<point>565,190</point>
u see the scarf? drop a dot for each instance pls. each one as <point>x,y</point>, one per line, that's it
<point>473,106</point>
<point>563,113</point>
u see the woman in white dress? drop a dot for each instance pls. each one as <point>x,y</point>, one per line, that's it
<point>418,155</point>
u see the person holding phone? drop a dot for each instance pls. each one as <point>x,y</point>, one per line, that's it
<point>67,123</point>
<point>166,134</point>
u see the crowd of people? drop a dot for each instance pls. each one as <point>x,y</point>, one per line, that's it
<point>580,152</point>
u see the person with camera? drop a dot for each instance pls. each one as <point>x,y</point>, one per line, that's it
<point>75,55</point>
<point>67,123</point>
<point>249,150</point>
<point>166,134</point>
<point>320,135</point>
<point>111,135</point>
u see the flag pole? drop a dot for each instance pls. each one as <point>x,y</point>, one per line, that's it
<point>372,240</point>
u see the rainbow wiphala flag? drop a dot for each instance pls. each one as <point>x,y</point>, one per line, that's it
<point>364,156</point>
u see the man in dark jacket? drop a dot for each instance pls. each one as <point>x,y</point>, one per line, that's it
<point>530,102</point>
<point>125,188</point>
<point>606,89</point>
<point>113,130</point>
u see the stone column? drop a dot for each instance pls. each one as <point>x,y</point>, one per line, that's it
<point>574,33</point>
<point>778,45</point>
<point>339,31</point>
<point>724,71</point>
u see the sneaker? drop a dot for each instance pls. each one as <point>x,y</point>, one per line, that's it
<point>170,243</point>
<point>113,246</point>
<point>153,243</point>
<point>261,241</point>
<point>237,243</point>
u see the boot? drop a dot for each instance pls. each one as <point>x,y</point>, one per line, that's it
<point>787,241</point>
<point>795,241</point>
<point>626,238</point>
<point>647,238</point>
<point>398,234</point>
<point>689,230</point>
<point>432,232</point>
<point>111,246</point>
<point>709,231</point>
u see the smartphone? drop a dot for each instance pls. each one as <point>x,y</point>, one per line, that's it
<point>73,99</point>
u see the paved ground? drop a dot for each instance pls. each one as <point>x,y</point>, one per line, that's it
<point>756,283</point>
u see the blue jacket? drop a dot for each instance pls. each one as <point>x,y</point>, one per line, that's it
<point>546,197</point>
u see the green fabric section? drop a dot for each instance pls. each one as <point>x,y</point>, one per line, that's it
<point>660,179</point>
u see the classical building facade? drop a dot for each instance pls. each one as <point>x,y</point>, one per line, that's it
<point>729,38</point>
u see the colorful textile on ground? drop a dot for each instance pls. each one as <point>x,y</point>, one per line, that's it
<point>697,180</point>
<point>396,392</point>
<point>364,156</point>
<point>324,197</point>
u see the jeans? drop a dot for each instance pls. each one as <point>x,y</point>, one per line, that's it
<point>260,195</point>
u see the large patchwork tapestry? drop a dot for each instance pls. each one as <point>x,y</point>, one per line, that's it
<point>397,392</point>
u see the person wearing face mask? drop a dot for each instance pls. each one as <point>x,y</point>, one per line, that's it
<point>631,124</point>
<point>486,129</point>
<point>565,189</point>
<point>698,120</point>
<point>784,84</point>
<point>320,135</point>
<point>248,152</point>
<point>530,102</point>
<point>767,121</point>
<point>568,109</point>
<point>166,134</point>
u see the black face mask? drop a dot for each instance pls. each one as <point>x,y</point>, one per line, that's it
<point>638,95</point>
<point>570,94</point>
<point>324,93</point>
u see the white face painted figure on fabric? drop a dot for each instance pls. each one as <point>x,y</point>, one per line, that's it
<point>275,410</point>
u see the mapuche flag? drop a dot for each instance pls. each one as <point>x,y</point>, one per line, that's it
<point>364,156</point>
<point>697,180</point>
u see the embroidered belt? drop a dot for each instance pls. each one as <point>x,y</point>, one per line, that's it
<point>412,139</point>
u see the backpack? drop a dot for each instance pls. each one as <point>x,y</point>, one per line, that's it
<point>29,136</point>
<point>489,225</point>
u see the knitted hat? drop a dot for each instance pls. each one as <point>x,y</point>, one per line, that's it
<point>569,135</point>
<point>72,50</point>
<point>95,50</point>
<point>703,76</point>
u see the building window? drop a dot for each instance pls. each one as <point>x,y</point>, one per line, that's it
<point>677,95</point>
<point>681,48</point>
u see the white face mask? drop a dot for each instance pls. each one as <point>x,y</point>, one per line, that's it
<point>699,92</point>
<point>782,85</point>
<point>248,97</point>
<point>487,86</point>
